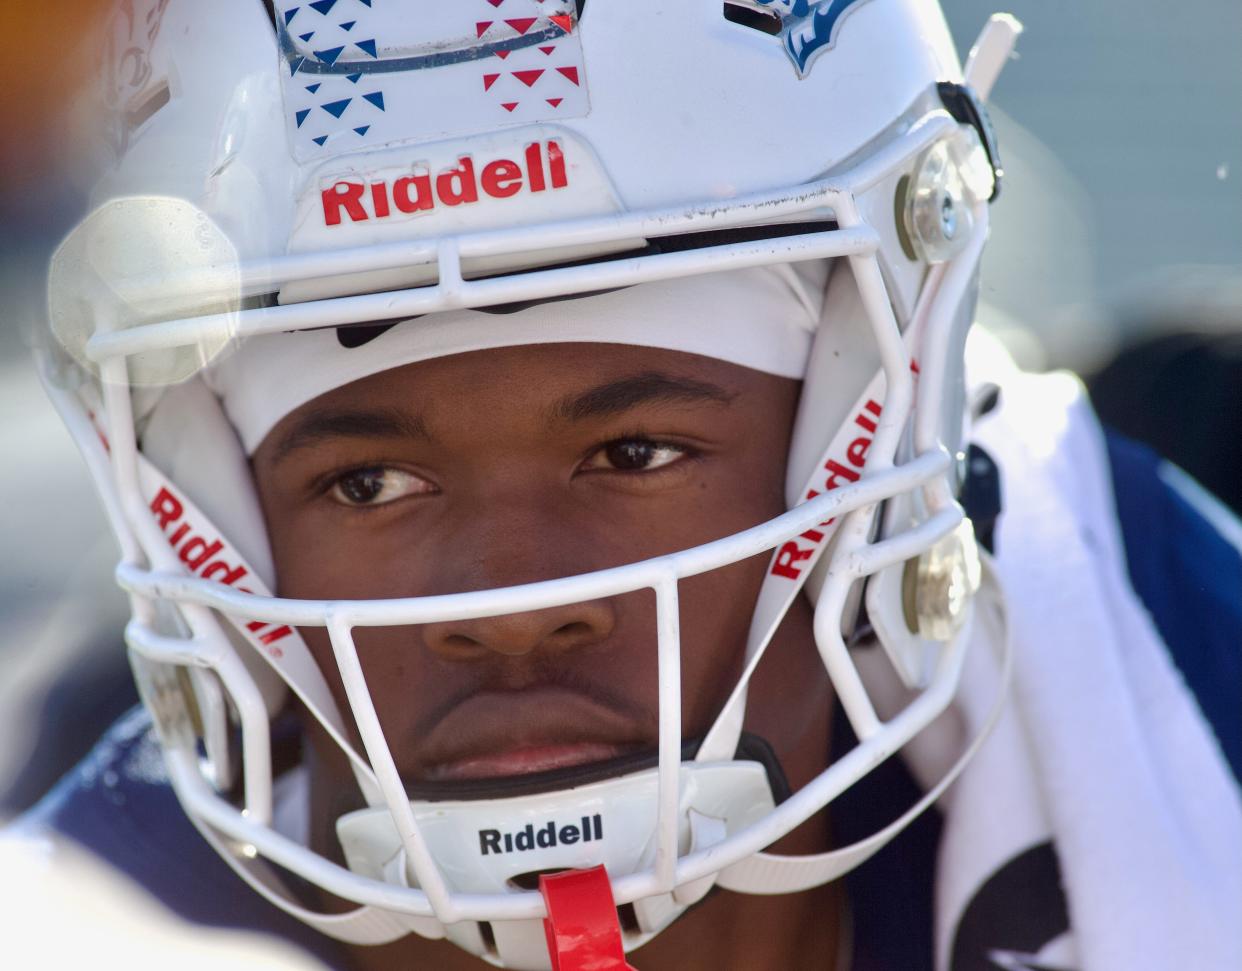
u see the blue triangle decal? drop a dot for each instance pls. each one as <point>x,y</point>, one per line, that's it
<point>312,88</point>
<point>352,78</point>
<point>320,140</point>
<point>289,14</point>
<point>348,25</point>
<point>376,98</point>
<point>363,130</point>
<point>301,116</point>
<point>368,46</point>
<point>307,36</point>
<point>295,64</point>
<point>367,2</point>
<point>323,6</point>
<point>330,55</point>
<point>337,108</point>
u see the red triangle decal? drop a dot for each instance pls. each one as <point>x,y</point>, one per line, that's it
<point>549,49</point>
<point>564,21</point>
<point>508,105</point>
<point>555,102</point>
<point>503,54</point>
<point>528,78</point>
<point>495,3</point>
<point>481,26</point>
<point>569,72</point>
<point>522,24</point>
<point>489,80</point>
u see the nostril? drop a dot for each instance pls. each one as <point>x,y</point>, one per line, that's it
<point>458,645</point>
<point>574,632</point>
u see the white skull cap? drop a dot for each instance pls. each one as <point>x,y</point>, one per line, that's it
<point>762,318</point>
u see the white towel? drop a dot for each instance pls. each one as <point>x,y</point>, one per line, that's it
<point>1102,750</point>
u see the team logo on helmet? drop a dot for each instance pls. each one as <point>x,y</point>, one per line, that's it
<point>809,26</point>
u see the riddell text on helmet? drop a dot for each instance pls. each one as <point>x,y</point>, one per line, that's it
<point>789,561</point>
<point>540,168</point>
<point>207,557</point>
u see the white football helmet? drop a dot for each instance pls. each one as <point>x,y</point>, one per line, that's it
<point>338,162</point>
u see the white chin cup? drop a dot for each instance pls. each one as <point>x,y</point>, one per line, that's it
<point>500,846</point>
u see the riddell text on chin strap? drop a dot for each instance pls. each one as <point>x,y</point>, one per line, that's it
<point>584,933</point>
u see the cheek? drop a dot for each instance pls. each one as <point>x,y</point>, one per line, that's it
<point>320,646</point>
<point>716,610</point>
<point>323,559</point>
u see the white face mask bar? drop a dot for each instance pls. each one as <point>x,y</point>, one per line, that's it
<point>152,573</point>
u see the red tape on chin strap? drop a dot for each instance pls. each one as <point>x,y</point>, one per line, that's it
<point>583,931</point>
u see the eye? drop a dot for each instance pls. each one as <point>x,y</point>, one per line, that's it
<point>635,455</point>
<point>377,485</point>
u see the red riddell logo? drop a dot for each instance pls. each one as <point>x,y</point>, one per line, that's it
<point>791,554</point>
<point>542,167</point>
<point>201,555</point>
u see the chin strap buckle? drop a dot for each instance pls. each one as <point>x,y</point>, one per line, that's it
<point>584,933</point>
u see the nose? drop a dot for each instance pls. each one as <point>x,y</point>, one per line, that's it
<point>552,630</point>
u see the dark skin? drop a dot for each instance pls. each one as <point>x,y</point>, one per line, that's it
<point>521,464</point>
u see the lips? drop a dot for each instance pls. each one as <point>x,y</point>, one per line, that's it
<point>514,733</point>
<point>524,761</point>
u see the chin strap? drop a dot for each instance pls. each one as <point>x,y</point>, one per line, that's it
<point>583,931</point>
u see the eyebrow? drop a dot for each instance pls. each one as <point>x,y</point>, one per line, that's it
<point>318,427</point>
<point>650,387</point>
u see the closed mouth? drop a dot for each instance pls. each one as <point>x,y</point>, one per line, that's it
<point>508,734</point>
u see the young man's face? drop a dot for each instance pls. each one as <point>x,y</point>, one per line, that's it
<point>515,465</point>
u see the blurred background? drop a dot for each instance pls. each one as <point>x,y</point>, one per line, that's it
<point>1117,252</point>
